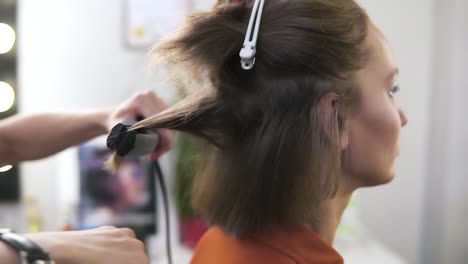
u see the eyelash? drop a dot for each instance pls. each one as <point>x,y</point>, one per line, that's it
<point>394,90</point>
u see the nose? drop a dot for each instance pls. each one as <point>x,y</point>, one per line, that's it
<point>403,117</point>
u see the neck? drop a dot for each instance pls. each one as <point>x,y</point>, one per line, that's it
<point>332,210</point>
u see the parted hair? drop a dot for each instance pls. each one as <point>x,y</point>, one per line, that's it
<point>271,157</point>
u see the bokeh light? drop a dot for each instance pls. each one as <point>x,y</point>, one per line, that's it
<point>6,168</point>
<point>7,96</point>
<point>7,38</point>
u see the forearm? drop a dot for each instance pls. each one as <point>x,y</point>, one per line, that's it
<point>8,255</point>
<point>37,136</point>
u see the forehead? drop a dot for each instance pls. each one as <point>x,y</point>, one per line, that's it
<point>381,60</point>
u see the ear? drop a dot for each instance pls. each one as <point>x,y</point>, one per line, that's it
<point>344,135</point>
<point>329,112</point>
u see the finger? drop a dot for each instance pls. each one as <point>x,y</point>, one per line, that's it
<point>165,145</point>
<point>150,93</point>
<point>147,94</point>
<point>139,245</point>
<point>128,232</point>
<point>161,102</point>
<point>143,105</point>
<point>138,106</point>
<point>156,100</point>
<point>106,227</point>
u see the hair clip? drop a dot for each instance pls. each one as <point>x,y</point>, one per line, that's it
<point>248,50</point>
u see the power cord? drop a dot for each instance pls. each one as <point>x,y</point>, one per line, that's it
<point>162,185</point>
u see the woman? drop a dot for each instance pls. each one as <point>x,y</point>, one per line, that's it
<point>293,137</point>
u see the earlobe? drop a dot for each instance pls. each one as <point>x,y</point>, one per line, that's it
<point>344,136</point>
<point>331,121</point>
<point>328,108</point>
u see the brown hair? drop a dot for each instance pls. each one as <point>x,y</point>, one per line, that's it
<point>272,159</point>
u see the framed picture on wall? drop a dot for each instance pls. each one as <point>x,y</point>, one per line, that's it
<point>146,21</point>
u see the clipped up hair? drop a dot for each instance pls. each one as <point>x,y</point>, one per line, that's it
<point>272,159</point>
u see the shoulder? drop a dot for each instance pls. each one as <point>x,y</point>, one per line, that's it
<point>216,246</point>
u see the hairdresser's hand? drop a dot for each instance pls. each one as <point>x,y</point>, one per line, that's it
<point>145,104</point>
<point>94,246</point>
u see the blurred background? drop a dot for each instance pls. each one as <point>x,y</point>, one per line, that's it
<point>66,55</point>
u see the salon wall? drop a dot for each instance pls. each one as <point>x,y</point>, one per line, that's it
<point>445,237</point>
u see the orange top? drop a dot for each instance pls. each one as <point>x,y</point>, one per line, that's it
<point>297,246</point>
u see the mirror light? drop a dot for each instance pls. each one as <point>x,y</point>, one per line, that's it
<point>6,168</point>
<point>7,96</point>
<point>7,38</point>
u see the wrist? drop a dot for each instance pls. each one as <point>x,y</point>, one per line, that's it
<point>101,120</point>
<point>27,251</point>
<point>51,243</point>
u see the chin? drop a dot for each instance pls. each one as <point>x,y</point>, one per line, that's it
<point>378,179</point>
<point>389,178</point>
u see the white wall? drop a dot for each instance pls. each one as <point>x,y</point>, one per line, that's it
<point>445,236</point>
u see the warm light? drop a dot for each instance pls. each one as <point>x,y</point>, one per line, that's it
<point>7,96</point>
<point>5,168</point>
<point>7,38</point>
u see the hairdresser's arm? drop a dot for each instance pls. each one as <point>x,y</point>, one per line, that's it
<point>37,136</point>
<point>94,246</point>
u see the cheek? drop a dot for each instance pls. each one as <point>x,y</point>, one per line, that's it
<point>373,138</point>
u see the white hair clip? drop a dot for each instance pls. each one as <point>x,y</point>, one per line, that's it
<point>248,50</point>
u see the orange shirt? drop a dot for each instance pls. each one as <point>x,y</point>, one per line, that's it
<point>299,246</point>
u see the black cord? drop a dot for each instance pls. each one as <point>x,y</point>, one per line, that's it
<point>162,184</point>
